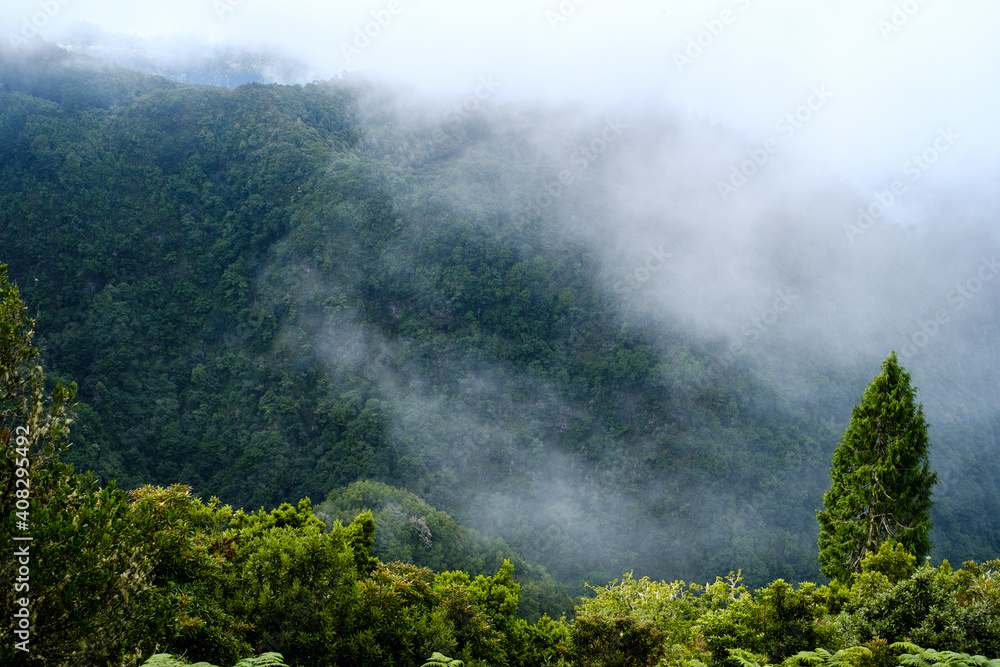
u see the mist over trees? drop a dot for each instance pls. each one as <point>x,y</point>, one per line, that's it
<point>532,381</point>
<point>276,291</point>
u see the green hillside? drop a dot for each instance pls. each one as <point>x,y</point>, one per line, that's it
<point>270,293</point>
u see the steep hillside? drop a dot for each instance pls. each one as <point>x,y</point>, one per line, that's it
<point>274,292</point>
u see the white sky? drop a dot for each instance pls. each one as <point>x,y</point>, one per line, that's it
<point>891,93</point>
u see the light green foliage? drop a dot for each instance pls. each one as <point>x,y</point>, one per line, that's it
<point>497,596</point>
<point>746,658</point>
<point>881,479</point>
<point>545,642</point>
<point>262,660</point>
<point>167,660</point>
<point>673,608</point>
<point>916,656</point>
<point>269,659</point>
<point>892,560</point>
<point>439,660</point>
<point>295,580</point>
<point>845,657</point>
<point>487,630</point>
<point>776,622</point>
<point>654,620</point>
<point>881,654</point>
<point>360,535</point>
<point>249,525</point>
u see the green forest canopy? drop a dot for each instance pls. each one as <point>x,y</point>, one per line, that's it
<point>272,292</point>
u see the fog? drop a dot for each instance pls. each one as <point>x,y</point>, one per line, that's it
<point>807,187</point>
<point>896,71</point>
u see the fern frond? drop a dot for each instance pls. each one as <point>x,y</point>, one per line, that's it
<point>163,660</point>
<point>439,660</point>
<point>263,660</point>
<point>819,657</point>
<point>745,658</point>
<point>823,658</point>
<point>167,660</point>
<point>909,647</point>
<point>928,657</point>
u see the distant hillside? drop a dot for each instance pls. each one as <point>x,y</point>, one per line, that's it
<point>274,292</point>
<point>184,61</point>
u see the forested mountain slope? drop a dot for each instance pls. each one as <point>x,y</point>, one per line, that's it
<point>273,292</point>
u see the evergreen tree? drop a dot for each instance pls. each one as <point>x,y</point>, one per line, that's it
<point>881,478</point>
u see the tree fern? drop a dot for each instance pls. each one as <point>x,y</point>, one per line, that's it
<point>928,657</point>
<point>262,660</point>
<point>746,658</point>
<point>167,660</point>
<point>438,660</point>
<point>823,658</point>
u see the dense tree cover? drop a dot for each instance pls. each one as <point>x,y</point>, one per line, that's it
<point>881,478</point>
<point>114,578</point>
<point>261,296</point>
<point>161,576</point>
<point>270,293</point>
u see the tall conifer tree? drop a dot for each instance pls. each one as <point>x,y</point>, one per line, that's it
<point>881,478</point>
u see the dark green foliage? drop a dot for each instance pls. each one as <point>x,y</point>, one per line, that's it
<point>86,566</point>
<point>77,84</point>
<point>880,654</point>
<point>935,607</point>
<point>881,479</point>
<point>614,641</point>
<point>189,572</point>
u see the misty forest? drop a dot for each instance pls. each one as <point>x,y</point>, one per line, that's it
<point>335,374</point>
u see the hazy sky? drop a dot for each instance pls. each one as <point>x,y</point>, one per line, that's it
<point>882,76</point>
